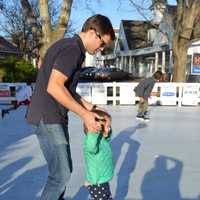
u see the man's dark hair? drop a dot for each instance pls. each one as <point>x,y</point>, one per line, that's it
<point>157,75</point>
<point>99,23</point>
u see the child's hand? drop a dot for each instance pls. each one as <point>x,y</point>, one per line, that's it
<point>91,123</point>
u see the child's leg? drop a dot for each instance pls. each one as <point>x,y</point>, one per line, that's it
<point>140,107</point>
<point>146,113</point>
<point>100,191</point>
<point>140,114</point>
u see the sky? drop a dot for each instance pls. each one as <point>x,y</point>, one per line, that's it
<point>111,8</point>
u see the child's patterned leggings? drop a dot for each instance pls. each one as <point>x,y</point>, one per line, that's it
<point>100,192</point>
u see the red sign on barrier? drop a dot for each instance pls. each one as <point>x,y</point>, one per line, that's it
<point>4,93</point>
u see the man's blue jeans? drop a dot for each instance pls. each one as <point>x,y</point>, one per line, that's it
<point>54,143</point>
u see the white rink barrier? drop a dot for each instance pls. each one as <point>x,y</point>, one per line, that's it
<point>121,93</point>
<point>10,92</point>
<point>116,93</point>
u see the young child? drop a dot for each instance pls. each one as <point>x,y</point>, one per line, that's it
<point>98,160</point>
<point>143,91</point>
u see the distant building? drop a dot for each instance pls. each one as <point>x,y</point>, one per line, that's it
<point>8,49</point>
<point>142,47</point>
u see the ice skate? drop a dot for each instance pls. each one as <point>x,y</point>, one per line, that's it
<point>146,116</point>
<point>140,116</point>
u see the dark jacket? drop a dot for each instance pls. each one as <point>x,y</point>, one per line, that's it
<point>144,88</point>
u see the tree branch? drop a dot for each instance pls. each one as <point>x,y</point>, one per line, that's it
<point>64,17</point>
<point>31,19</point>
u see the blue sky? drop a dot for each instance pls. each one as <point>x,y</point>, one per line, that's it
<point>111,8</point>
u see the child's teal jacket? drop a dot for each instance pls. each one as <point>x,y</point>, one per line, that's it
<point>98,158</point>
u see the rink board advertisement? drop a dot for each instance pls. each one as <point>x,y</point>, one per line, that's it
<point>7,95</point>
<point>195,64</point>
<point>10,91</point>
<point>168,94</point>
<point>190,94</point>
<point>4,90</point>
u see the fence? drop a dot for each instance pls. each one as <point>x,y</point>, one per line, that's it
<point>10,92</point>
<point>116,93</point>
<point>121,93</point>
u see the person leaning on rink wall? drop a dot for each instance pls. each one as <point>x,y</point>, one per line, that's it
<point>144,90</point>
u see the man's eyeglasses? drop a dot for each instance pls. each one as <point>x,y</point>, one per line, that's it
<point>103,44</point>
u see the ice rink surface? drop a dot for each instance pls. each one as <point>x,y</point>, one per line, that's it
<point>158,160</point>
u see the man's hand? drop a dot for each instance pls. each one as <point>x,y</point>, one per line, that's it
<point>90,122</point>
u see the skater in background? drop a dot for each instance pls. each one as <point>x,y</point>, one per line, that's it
<point>98,159</point>
<point>143,91</point>
<point>23,97</point>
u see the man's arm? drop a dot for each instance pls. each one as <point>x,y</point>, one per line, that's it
<point>86,104</point>
<point>59,92</point>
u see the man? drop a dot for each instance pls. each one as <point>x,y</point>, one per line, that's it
<point>143,91</point>
<point>55,94</point>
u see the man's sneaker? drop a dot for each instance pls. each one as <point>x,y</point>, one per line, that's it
<point>140,116</point>
<point>146,116</point>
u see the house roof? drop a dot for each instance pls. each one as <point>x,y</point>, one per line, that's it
<point>136,33</point>
<point>7,47</point>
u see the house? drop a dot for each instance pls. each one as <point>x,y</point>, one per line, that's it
<point>142,47</point>
<point>8,49</point>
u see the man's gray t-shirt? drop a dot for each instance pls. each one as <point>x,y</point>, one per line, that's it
<point>67,56</point>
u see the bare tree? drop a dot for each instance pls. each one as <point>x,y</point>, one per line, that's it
<point>15,27</point>
<point>23,24</point>
<point>187,29</point>
<point>50,33</point>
